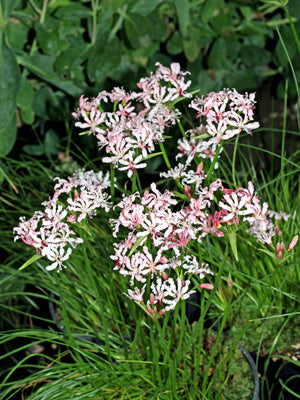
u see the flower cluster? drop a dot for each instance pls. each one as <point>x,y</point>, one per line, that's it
<point>157,236</point>
<point>160,235</point>
<point>135,121</point>
<point>49,230</point>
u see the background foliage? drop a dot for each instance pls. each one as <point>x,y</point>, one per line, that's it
<point>52,51</point>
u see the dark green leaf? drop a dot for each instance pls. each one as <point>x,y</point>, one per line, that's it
<point>9,85</point>
<point>52,143</point>
<point>211,8</point>
<point>26,93</point>
<point>24,100</point>
<point>27,116</point>
<point>190,45</point>
<point>182,10</point>
<point>221,24</point>
<point>254,56</point>
<point>42,66</point>
<point>138,30</point>
<point>243,79</point>
<point>47,35</point>
<point>159,30</point>
<point>217,58</point>
<point>72,12</point>
<point>174,45</point>
<point>104,60</point>
<point>17,33</point>
<point>144,7</point>
<point>34,149</point>
<point>70,59</point>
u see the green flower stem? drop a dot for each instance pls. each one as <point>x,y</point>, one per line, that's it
<point>112,182</point>
<point>210,171</point>
<point>95,4</point>
<point>133,183</point>
<point>234,159</point>
<point>162,148</point>
<point>181,128</point>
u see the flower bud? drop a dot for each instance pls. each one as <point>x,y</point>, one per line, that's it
<point>149,309</point>
<point>293,242</point>
<point>152,298</point>
<point>208,286</point>
<point>187,190</point>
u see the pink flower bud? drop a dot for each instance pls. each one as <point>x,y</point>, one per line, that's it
<point>155,309</point>
<point>152,298</point>
<point>149,309</point>
<point>279,254</point>
<point>183,283</point>
<point>293,242</point>
<point>279,247</point>
<point>161,312</point>
<point>208,286</point>
<point>187,190</point>
<point>163,260</point>
<point>199,169</point>
<point>165,276</point>
<point>76,194</point>
<point>72,218</point>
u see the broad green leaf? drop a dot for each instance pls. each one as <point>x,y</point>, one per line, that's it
<point>9,86</point>
<point>190,45</point>
<point>17,33</point>
<point>159,30</point>
<point>42,66</point>
<point>26,93</point>
<point>138,30</point>
<point>174,45</point>
<point>254,56</point>
<point>144,7</point>
<point>70,59</point>
<point>48,38</point>
<point>27,115</point>
<point>72,12</point>
<point>247,78</point>
<point>50,105</point>
<point>221,24</point>
<point>104,60</point>
<point>211,8</point>
<point>217,58</point>
<point>52,143</point>
<point>34,149</point>
<point>182,10</point>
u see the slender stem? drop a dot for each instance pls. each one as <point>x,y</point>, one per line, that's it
<point>133,183</point>
<point>162,148</point>
<point>234,159</point>
<point>112,182</point>
<point>44,11</point>
<point>210,171</point>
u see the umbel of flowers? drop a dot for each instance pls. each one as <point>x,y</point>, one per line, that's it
<point>156,233</point>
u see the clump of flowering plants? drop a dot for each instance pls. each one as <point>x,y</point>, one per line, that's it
<point>157,234</point>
